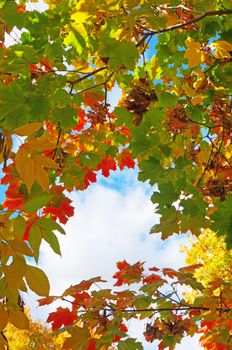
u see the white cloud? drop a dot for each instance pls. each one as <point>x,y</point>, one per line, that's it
<point>110,224</point>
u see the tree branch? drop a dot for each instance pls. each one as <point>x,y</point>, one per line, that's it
<point>72,83</point>
<point>183,24</point>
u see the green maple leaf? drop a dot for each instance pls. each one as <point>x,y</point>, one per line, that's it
<point>119,53</point>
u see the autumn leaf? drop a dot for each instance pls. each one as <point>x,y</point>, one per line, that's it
<point>194,52</point>
<point>222,49</point>
<point>19,319</point>
<point>125,159</point>
<point>37,280</point>
<point>127,273</point>
<point>27,129</point>
<point>106,165</point>
<point>3,318</point>
<point>32,167</point>
<point>62,316</point>
<point>47,300</point>
<point>62,211</point>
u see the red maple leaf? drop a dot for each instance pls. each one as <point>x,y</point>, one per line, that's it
<point>125,159</point>
<point>62,211</point>
<point>106,165</point>
<point>127,273</point>
<point>14,200</point>
<point>155,269</point>
<point>47,300</point>
<point>81,120</point>
<point>81,299</point>
<point>169,272</point>
<point>190,268</point>
<point>125,131</point>
<point>90,176</point>
<point>153,278</point>
<point>90,99</point>
<point>61,317</point>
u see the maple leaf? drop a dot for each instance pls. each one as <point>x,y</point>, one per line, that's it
<point>125,160</point>
<point>169,272</point>
<point>31,167</point>
<point>61,317</point>
<point>83,285</point>
<point>62,211</point>
<point>90,176</point>
<point>81,120</point>
<point>194,52</point>
<point>127,273</point>
<point>46,300</point>
<point>222,48</point>
<point>14,200</point>
<point>153,278</point>
<point>106,165</point>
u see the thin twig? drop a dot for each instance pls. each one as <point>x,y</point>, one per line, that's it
<point>86,76</point>
<point>183,24</point>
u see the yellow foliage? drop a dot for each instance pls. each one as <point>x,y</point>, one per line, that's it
<point>37,337</point>
<point>210,251</point>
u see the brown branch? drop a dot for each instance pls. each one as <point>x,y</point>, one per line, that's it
<point>183,24</point>
<point>219,150</point>
<point>182,7</point>
<point>57,142</point>
<point>161,309</point>
<point>72,83</point>
<point>97,85</point>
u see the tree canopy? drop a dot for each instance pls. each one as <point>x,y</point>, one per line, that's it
<point>171,60</point>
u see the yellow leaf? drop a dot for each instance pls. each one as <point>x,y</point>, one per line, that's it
<point>19,319</point>
<point>196,100</point>
<point>40,144</point>
<point>3,319</point>
<point>25,166</point>
<point>19,246</point>
<point>15,272</point>
<point>222,48</point>
<point>30,167</point>
<point>178,149</point>
<point>37,281</point>
<point>193,52</point>
<point>27,129</point>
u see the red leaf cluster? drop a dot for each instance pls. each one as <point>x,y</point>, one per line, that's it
<point>127,273</point>
<point>62,211</point>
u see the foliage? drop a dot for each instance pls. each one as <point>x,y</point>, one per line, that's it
<point>38,337</point>
<point>210,251</point>
<point>99,318</point>
<point>174,120</point>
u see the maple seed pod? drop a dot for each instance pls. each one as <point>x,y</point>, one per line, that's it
<point>139,99</point>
